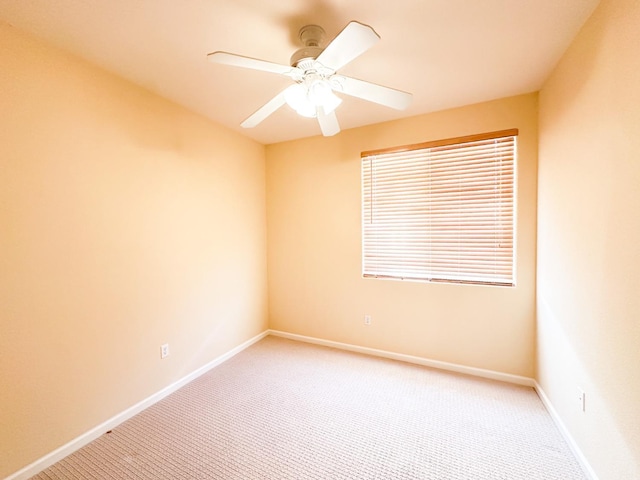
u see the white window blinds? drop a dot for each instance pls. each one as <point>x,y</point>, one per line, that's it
<point>441,211</point>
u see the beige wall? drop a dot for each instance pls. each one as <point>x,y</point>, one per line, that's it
<point>125,222</point>
<point>589,239</point>
<point>315,282</point>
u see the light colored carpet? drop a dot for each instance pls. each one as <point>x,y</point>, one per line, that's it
<point>289,410</point>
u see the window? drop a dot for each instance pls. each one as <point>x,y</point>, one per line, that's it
<point>441,211</point>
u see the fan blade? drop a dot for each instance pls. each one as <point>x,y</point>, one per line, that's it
<point>389,97</point>
<point>248,62</point>
<point>328,123</point>
<point>351,42</point>
<point>264,111</point>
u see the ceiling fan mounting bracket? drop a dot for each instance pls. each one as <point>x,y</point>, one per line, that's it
<point>311,36</point>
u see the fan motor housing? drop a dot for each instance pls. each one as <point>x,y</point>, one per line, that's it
<point>303,54</point>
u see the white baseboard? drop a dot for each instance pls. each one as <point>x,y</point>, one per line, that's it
<point>582,460</point>
<point>452,367</point>
<point>87,437</point>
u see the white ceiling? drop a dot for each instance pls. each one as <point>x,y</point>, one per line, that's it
<point>447,53</point>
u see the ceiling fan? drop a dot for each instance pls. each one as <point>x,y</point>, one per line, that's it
<point>314,71</point>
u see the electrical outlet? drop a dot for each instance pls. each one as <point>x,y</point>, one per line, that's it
<point>164,350</point>
<point>582,398</point>
<point>367,319</point>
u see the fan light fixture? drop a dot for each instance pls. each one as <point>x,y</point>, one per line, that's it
<point>310,94</point>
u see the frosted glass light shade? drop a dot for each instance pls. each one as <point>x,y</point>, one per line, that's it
<point>305,98</point>
<point>322,96</point>
<point>297,98</point>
